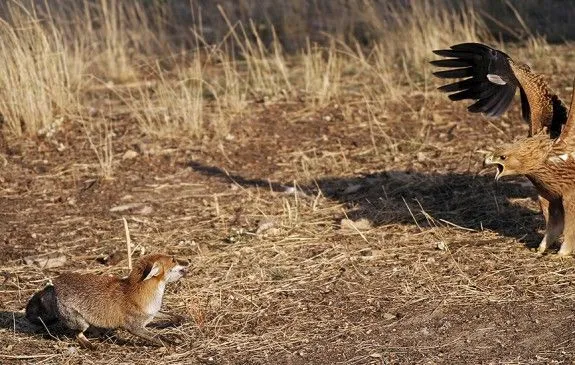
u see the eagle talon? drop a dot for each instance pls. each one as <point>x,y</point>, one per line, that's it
<point>564,253</point>
<point>542,248</point>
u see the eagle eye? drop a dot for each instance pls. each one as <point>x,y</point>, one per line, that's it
<point>502,157</point>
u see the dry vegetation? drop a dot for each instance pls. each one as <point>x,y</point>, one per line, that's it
<point>331,203</point>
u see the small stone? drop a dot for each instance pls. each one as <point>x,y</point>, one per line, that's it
<point>353,226</point>
<point>389,316</point>
<point>265,226</point>
<point>129,155</point>
<point>145,210</point>
<point>441,246</point>
<point>125,207</point>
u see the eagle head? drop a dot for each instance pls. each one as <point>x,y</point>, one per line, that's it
<point>507,164</point>
<point>521,158</point>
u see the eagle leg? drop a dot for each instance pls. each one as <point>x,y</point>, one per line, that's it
<point>544,204</point>
<point>554,219</point>
<point>569,234</point>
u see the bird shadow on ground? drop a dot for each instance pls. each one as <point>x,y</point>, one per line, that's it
<point>464,200</point>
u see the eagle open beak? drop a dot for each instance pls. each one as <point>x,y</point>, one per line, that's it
<point>492,160</point>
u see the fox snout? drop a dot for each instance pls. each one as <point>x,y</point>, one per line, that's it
<point>182,269</point>
<point>176,273</point>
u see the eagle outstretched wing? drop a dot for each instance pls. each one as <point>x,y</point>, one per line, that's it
<point>491,77</point>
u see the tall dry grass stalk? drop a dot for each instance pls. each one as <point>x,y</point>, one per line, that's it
<point>102,146</point>
<point>416,30</point>
<point>114,60</point>
<point>40,73</point>
<point>50,52</point>
<point>266,68</point>
<point>322,70</point>
<point>174,106</point>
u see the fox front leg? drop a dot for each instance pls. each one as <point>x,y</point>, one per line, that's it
<point>145,334</point>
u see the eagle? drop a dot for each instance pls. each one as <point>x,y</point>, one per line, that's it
<point>550,165</point>
<point>547,156</point>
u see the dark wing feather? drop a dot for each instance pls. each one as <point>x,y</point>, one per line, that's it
<point>567,134</point>
<point>560,115</point>
<point>457,86</point>
<point>479,91</point>
<point>475,61</point>
<point>505,98</point>
<point>449,63</point>
<point>456,73</point>
<point>525,109</point>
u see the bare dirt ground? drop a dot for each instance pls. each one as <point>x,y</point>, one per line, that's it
<point>314,235</point>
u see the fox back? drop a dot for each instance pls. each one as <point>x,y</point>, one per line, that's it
<point>100,300</point>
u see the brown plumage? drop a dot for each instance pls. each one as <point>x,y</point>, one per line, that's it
<point>550,166</point>
<point>491,78</point>
<point>83,300</point>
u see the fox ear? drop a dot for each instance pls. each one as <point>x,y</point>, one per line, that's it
<point>151,271</point>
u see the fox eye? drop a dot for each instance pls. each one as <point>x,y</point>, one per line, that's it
<point>502,157</point>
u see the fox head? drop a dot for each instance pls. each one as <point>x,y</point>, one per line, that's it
<point>157,268</point>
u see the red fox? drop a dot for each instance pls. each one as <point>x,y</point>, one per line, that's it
<point>83,300</point>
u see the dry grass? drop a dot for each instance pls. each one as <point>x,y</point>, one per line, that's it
<point>56,63</point>
<point>332,207</point>
<point>40,76</point>
<point>100,137</point>
<point>172,107</point>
